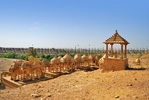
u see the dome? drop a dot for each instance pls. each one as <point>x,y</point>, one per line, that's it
<point>72,60</point>
<point>62,60</point>
<point>84,58</point>
<point>77,58</point>
<point>44,61</point>
<point>97,57</point>
<point>67,57</point>
<point>59,59</point>
<point>102,59</point>
<point>54,60</point>
<point>90,57</point>
<point>137,60</point>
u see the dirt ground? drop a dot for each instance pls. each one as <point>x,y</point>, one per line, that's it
<point>5,64</point>
<point>130,84</point>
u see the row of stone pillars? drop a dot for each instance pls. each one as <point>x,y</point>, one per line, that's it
<point>111,55</point>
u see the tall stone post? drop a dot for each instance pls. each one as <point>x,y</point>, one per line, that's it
<point>111,50</point>
<point>115,54</point>
<point>121,51</point>
<point>125,56</point>
<point>106,50</point>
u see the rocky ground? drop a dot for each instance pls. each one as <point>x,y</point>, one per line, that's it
<point>130,84</point>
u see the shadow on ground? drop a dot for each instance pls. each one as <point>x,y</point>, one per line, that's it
<point>136,68</point>
<point>2,87</point>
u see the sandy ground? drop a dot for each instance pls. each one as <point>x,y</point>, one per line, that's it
<point>5,64</point>
<point>119,85</point>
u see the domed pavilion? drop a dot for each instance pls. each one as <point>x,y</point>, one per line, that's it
<point>114,63</point>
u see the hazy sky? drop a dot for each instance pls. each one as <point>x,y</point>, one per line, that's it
<point>66,23</point>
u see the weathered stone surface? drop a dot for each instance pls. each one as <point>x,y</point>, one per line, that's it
<point>113,64</point>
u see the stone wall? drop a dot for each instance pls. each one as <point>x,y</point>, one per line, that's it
<point>114,64</point>
<point>25,50</point>
<point>55,51</point>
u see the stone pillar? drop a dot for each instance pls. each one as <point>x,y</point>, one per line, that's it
<point>121,51</point>
<point>111,49</point>
<point>106,50</point>
<point>125,56</point>
<point>115,54</point>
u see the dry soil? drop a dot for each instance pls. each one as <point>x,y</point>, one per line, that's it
<point>118,85</point>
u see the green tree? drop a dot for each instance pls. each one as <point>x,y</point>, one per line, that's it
<point>51,57</point>
<point>10,55</point>
<point>23,57</point>
<point>31,53</point>
<point>47,56</point>
<point>42,56</point>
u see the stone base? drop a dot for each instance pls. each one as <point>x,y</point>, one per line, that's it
<point>114,64</point>
<point>6,81</point>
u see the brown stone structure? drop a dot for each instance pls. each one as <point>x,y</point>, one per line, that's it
<point>34,69</point>
<point>114,63</point>
<point>77,59</point>
<point>84,61</point>
<point>137,61</point>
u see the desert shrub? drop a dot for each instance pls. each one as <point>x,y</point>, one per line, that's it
<point>42,56</point>
<point>128,52</point>
<point>31,57</point>
<point>10,55</point>
<point>40,59</point>
<point>72,55</point>
<point>23,57</point>
<point>1,55</point>
<point>38,56</point>
<point>47,56</point>
<point>101,52</point>
<point>61,54</point>
<point>51,57</point>
<point>81,54</point>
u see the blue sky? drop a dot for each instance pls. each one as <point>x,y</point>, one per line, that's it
<point>65,23</point>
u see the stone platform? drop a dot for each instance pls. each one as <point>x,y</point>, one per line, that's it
<point>6,81</point>
<point>114,64</point>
